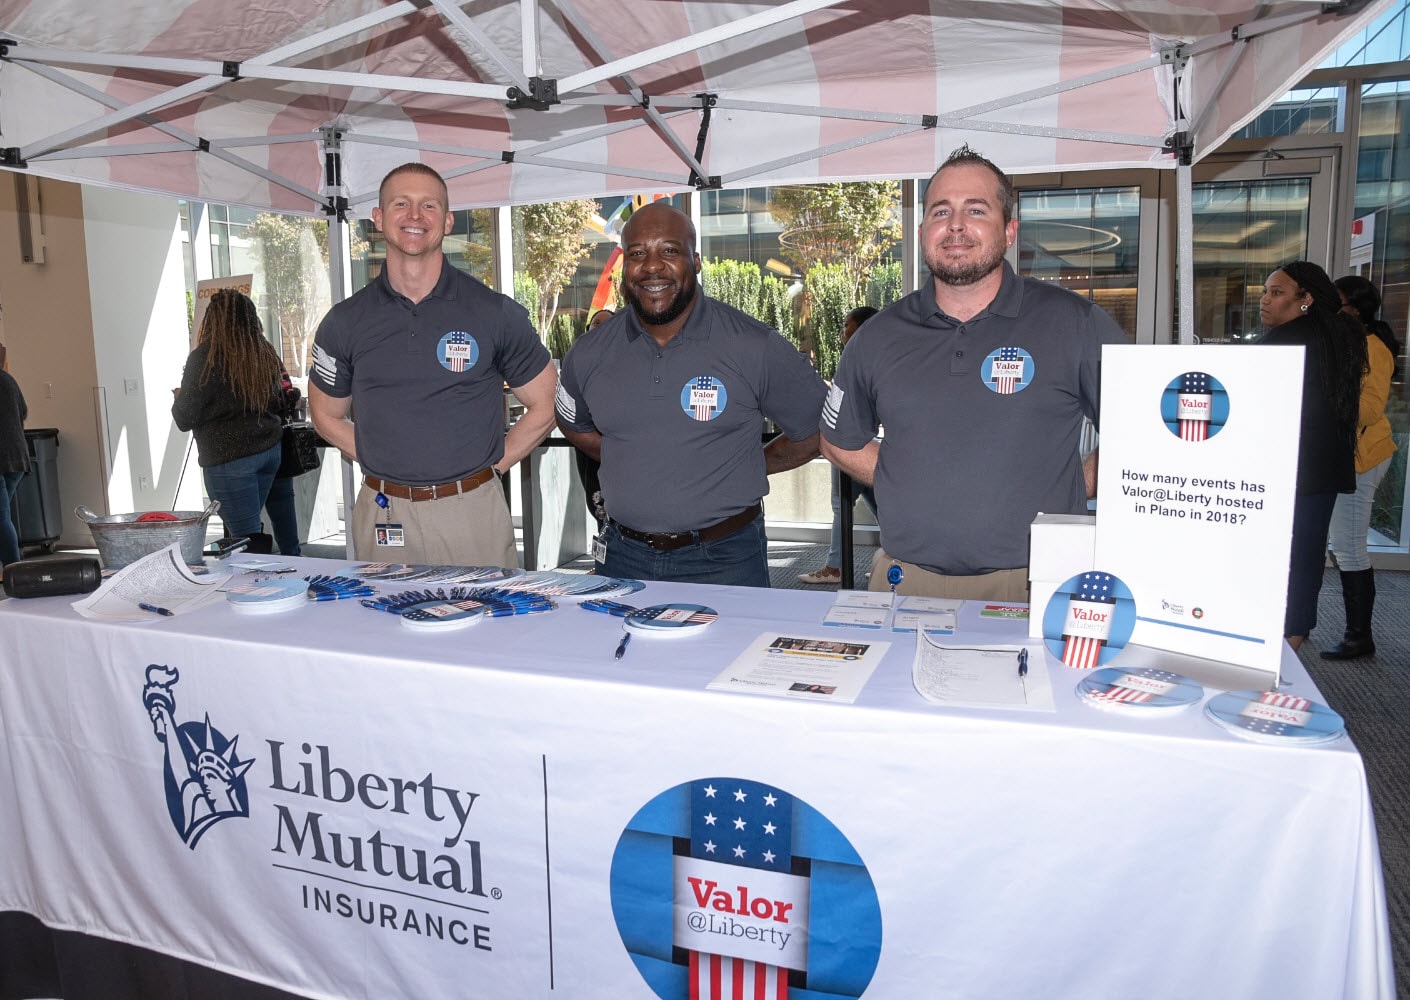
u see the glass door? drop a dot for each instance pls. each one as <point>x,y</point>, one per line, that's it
<point>1250,216</point>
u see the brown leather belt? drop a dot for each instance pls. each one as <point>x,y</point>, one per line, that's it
<point>666,541</point>
<point>417,493</point>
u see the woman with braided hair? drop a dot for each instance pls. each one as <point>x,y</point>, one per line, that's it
<point>1302,308</point>
<point>232,399</point>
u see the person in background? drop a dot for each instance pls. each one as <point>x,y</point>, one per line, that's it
<point>280,505</point>
<point>587,466</point>
<point>982,380</point>
<point>1351,516</point>
<point>14,458</point>
<point>672,399</point>
<point>423,353</point>
<point>232,401</point>
<point>1300,307</point>
<point>831,571</point>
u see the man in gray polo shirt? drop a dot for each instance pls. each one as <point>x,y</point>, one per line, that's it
<point>980,380</point>
<point>424,352</point>
<point>671,396</point>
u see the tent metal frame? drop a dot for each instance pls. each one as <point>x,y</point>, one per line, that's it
<point>521,87</point>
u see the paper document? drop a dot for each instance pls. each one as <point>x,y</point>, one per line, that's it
<point>156,586</point>
<point>821,668</point>
<point>981,676</point>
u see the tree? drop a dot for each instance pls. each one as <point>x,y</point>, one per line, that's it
<point>552,248</point>
<point>290,283</point>
<point>850,225</point>
<point>831,296</point>
<point>292,253</point>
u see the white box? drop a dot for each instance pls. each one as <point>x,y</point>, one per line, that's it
<point>1059,547</point>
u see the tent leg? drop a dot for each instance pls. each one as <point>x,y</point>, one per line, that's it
<point>1185,255</point>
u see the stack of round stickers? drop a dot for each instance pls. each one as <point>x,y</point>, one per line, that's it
<point>266,597</point>
<point>442,615</point>
<point>670,619</point>
<point>1140,691</point>
<point>1271,717</point>
<point>576,586</point>
<point>409,573</point>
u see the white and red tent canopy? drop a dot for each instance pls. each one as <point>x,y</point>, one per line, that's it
<point>296,105</point>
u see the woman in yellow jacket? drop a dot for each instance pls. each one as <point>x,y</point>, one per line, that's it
<point>1351,518</point>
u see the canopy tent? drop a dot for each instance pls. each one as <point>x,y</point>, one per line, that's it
<point>299,105</point>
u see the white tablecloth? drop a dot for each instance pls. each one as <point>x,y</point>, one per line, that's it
<point>440,814</point>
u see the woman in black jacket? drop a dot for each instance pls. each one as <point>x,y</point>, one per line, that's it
<point>232,400</point>
<point>14,459</point>
<point>1301,307</point>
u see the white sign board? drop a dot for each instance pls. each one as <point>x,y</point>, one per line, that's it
<point>1195,494</point>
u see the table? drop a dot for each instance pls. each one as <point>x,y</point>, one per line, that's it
<point>497,812</point>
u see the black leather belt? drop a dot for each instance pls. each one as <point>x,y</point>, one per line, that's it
<point>666,541</point>
<point>416,493</point>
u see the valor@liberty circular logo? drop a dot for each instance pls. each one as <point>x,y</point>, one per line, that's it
<point>726,887</point>
<point>458,351</point>
<point>1007,370</point>
<point>704,398</point>
<point>1194,406</point>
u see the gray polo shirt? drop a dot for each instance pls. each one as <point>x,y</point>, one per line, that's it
<point>681,425</point>
<point>982,419</point>
<point>427,378</point>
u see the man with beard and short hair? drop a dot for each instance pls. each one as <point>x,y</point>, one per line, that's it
<point>671,397</point>
<point>980,380</point>
<point>424,352</point>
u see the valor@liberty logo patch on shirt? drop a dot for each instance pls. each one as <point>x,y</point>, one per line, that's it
<point>704,397</point>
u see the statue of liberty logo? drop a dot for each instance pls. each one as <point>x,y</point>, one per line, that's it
<point>205,779</point>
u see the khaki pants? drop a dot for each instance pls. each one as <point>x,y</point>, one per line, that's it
<point>1009,586</point>
<point>468,529</point>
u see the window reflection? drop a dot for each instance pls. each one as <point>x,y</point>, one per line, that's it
<point>1088,241</point>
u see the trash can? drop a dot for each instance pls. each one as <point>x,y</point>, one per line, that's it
<point>36,510</point>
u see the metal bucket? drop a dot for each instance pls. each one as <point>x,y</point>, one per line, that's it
<point>122,539</point>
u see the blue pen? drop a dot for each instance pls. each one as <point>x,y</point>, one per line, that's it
<point>608,608</point>
<point>154,610</point>
<point>1023,662</point>
<point>622,646</point>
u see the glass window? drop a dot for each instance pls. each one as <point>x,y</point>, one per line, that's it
<point>1088,241</point>
<point>288,256</point>
<point>1380,251</point>
<point>1308,111</point>
<point>1243,230</point>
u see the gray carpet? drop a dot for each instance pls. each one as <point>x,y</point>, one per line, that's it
<point>1373,695</point>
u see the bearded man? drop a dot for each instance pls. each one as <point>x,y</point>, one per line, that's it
<point>981,380</point>
<point>671,396</point>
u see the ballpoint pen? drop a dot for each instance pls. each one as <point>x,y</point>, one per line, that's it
<point>152,609</point>
<point>1023,671</point>
<point>622,646</point>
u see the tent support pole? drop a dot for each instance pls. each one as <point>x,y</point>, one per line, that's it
<point>339,280</point>
<point>1185,253</point>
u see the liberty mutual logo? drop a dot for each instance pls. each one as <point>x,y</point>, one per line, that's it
<point>204,776</point>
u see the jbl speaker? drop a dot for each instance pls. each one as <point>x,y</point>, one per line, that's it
<point>52,577</point>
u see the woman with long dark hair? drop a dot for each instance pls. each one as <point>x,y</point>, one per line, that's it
<point>1351,518</point>
<point>232,400</point>
<point>1301,308</point>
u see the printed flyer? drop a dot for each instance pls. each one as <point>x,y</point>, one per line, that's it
<point>1196,481</point>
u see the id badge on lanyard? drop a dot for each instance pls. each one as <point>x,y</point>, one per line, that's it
<point>387,534</point>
